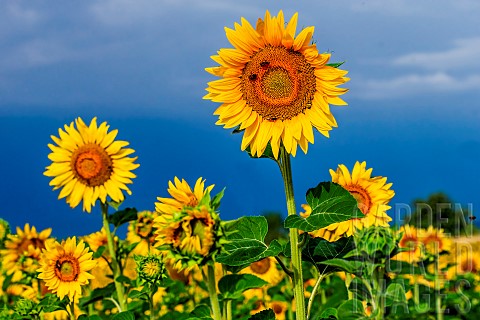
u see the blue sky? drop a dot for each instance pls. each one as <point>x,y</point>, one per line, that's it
<point>413,111</point>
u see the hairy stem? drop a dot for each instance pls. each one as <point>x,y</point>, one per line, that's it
<point>212,291</point>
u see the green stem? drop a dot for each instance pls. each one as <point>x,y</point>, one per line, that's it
<point>212,291</point>
<point>286,170</point>
<point>115,267</point>
<point>438,297</point>
<point>229,310</point>
<point>313,294</point>
<point>71,307</point>
<point>379,292</point>
<point>150,301</point>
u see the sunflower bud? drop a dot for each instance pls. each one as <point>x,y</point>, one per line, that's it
<point>25,307</point>
<point>375,243</point>
<point>151,268</point>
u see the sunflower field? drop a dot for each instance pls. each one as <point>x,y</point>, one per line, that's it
<point>340,259</point>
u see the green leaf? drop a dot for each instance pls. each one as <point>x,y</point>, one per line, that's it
<point>201,311</point>
<point>329,313</point>
<point>330,203</point>
<point>232,285</point>
<point>350,310</point>
<point>329,250</point>
<point>395,294</point>
<point>344,265</point>
<point>263,315</point>
<point>215,202</point>
<point>124,315</point>
<point>49,303</point>
<point>403,267</point>
<point>123,216</point>
<point>137,294</point>
<point>335,64</point>
<point>268,153</point>
<point>358,287</point>
<point>97,254</point>
<point>98,294</point>
<point>246,242</point>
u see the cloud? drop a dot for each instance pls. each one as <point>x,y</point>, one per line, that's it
<point>464,54</point>
<point>416,84</point>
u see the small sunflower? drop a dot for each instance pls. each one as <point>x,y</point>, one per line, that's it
<point>23,250</point>
<point>65,267</point>
<point>142,232</point>
<point>372,195</point>
<point>182,196</point>
<point>435,240</point>
<point>150,268</point>
<point>276,86</point>
<point>187,225</point>
<point>410,241</point>
<point>265,269</point>
<point>279,308</point>
<point>88,164</point>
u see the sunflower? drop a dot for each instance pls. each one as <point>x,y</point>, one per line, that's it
<point>23,250</point>
<point>265,269</point>
<point>279,308</point>
<point>276,86</point>
<point>410,241</point>
<point>435,240</point>
<point>182,196</point>
<point>88,164</point>
<point>142,232</point>
<point>372,195</point>
<point>187,225</point>
<point>65,267</point>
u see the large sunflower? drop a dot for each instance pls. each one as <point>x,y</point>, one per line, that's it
<point>65,267</point>
<point>372,195</point>
<point>276,86</point>
<point>88,164</point>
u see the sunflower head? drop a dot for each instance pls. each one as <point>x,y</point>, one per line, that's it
<point>188,236</point>
<point>435,240</point>
<point>265,269</point>
<point>23,250</point>
<point>89,164</point>
<point>275,85</point>
<point>142,232</point>
<point>65,267</point>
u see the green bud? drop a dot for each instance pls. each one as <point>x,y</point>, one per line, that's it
<point>375,243</point>
<point>24,307</point>
<point>151,268</point>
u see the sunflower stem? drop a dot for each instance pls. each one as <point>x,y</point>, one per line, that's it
<point>115,267</point>
<point>284,267</point>
<point>71,307</point>
<point>299,295</point>
<point>313,294</point>
<point>212,292</point>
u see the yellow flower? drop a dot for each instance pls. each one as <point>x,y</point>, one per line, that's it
<point>88,164</point>
<point>265,269</point>
<point>411,241</point>
<point>142,232</point>
<point>22,251</point>
<point>276,86</point>
<point>372,195</point>
<point>191,236</point>
<point>279,308</point>
<point>435,240</point>
<point>64,267</point>
<point>182,196</point>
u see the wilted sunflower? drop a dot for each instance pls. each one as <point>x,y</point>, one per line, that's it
<point>372,195</point>
<point>142,232</point>
<point>88,164</point>
<point>65,267</point>
<point>23,250</point>
<point>187,225</point>
<point>265,269</point>
<point>276,86</point>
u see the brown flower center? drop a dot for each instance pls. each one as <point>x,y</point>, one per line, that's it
<point>261,267</point>
<point>92,165</point>
<point>408,242</point>
<point>67,269</point>
<point>278,83</point>
<point>144,228</point>
<point>361,195</point>
<point>468,265</point>
<point>35,242</point>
